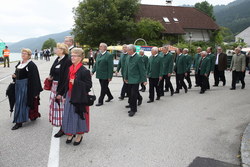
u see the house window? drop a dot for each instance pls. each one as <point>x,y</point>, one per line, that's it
<point>166,20</point>
<point>175,19</point>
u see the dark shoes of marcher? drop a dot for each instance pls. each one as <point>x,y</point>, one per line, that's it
<point>243,86</point>
<point>202,92</point>
<point>99,104</point>
<point>232,88</point>
<point>158,98</point>
<point>69,140</point>
<point>172,93</point>
<point>150,101</point>
<point>139,102</point>
<point>131,113</point>
<point>60,133</point>
<point>17,126</point>
<point>215,85</point>
<point>121,98</point>
<point>109,99</point>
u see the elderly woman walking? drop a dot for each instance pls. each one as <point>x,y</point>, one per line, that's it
<point>27,90</point>
<point>58,74</point>
<point>76,113</point>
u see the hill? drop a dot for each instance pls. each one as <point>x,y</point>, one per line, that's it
<point>36,43</point>
<point>235,15</point>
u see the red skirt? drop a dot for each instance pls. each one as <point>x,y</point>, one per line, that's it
<point>34,113</point>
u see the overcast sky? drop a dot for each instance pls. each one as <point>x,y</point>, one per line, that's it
<point>21,19</point>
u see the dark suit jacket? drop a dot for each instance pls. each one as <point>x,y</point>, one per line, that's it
<point>222,65</point>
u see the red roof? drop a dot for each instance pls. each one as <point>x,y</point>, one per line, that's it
<point>187,18</point>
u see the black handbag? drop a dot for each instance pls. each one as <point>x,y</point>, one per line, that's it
<point>91,100</point>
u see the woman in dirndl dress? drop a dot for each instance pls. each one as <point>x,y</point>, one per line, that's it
<point>76,113</point>
<point>27,89</point>
<point>58,75</point>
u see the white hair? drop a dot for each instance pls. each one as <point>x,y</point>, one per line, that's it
<point>132,47</point>
<point>104,44</point>
<point>204,52</point>
<point>155,49</point>
<point>185,49</point>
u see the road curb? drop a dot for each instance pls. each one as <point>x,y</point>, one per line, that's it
<point>245,147</point>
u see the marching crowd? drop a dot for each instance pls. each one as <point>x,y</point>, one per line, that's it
<point>70,82</point>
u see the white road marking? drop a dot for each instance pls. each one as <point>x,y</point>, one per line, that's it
<point>54,149</point>
<point>5,78</point>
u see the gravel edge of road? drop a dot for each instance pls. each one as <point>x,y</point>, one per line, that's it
<point>245,147</point>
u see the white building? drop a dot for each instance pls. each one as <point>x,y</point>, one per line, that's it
<point>245,35</point>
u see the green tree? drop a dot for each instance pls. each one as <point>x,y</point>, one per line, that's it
<point>227,34</point>
<point>109,21</point>
<point>49,44</point>
<point>206,8</point>
<point>150,30</point>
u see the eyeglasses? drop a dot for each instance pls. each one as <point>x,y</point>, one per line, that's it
<point>24,53</point>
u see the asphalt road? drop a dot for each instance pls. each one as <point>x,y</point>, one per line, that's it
<point>171,132</point>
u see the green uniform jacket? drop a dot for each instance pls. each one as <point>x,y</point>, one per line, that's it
<point>212,59</point>
<point>145,61</point>
<point>134,70</point>
<point>121,64</point>
<point>155,66</point>
<point>168,63</point>
<point>104,66</point>
<point>181,64</point>
<point>196,60</point>
<point>189,62</point>
<point>205,66</point>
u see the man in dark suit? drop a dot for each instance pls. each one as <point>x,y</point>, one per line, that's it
<point>180,70</point>
<point>104,72</point>
<point>155,74</point>
<point>121,66</point>
<point>220,67</point>
<point>167,70</point>
<point>91,57</point>
<point>135,74</point>
<point>69,40</point>
<point>204,66</point>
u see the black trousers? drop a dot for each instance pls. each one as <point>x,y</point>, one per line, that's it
<point>203,82</point>
<point>180,82</point>
<point>218,75</point>
<point>197,79</point>
<point>237,75</point>
<point>143,87</point>
<point>188,79</point>
<point>208,84</point>
<point>134,95</point>
<point>154,84</point>
<point>168,84</point>
<point>124,89</point>
<point>104,90</point>
<point>91,62</point>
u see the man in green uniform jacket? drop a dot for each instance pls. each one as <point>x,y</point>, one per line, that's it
<point>167,70</point>
<point>212,62</point>
<point>180,70</point>
<point>196,64</point>
<point>104,72</point>
<point>121,66</point>
<point>145,61</point>
<point>155,74</point>
<point>135,73</point>
<point>203,69</point>
<point>189,64</point>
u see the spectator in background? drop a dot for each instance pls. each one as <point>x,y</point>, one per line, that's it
<point>6,56</point>
<point>36,54</point>
<point>69,40</point>
<point>91,57</point>
<point>238,66</point>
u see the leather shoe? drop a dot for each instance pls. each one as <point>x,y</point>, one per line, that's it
<point>224,83</point>
<point>150,101</point>
<point>131,113</point>
<point>139,102</point>
<point>128,106</point>
<point>232,88</point>
<point>109,99</point>
<point>158,98</point>
<point>70,140</point>
<point>202,92</point>
<point>196,86</point>
<point>17,126</point>
<point>121,98</point>
<point>77,143</point>
<point>176,92</point>
<point>186,90</point>
<point>172,93</point>
<point>243,86</point>
<point>215,85</point>
<point>99,104</point>
<point>60,133</point>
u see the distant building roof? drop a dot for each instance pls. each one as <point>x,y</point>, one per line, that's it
<point>175,19</point>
